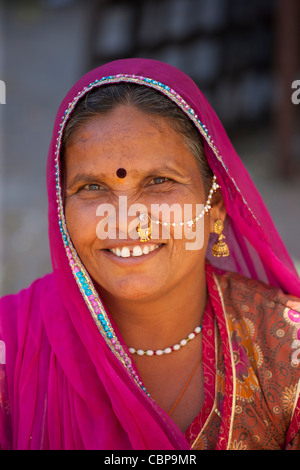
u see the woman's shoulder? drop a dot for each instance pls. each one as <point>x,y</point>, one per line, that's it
<point>248,295</point>
<point>13,304</point>
<point>45,281</point>
<point>272,315</point>
<point>266,315</point>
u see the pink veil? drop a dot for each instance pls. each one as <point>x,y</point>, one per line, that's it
<point>71,365</point>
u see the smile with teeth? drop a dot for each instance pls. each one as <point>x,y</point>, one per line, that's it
<point>126,252</point>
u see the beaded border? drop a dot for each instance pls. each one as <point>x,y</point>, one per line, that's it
<point>81,276</point>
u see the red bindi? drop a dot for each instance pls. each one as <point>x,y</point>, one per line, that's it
<point>121,173</point>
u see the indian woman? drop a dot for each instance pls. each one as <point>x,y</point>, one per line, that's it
<point>171,319</point>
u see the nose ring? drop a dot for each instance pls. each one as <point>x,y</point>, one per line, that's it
<point>144,233</point>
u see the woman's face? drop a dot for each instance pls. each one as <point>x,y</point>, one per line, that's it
<point>159,170</point>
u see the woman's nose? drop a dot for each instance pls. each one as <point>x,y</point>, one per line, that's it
<point>128,218</point>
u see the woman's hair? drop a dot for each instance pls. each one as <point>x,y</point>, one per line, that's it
<point>108,97</point>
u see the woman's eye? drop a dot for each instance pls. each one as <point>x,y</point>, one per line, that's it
<point>92,187</point>
<point>158,180</point>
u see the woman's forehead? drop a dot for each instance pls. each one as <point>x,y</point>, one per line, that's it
<point>128,136</point>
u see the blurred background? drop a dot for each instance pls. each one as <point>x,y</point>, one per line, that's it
<point>243,55</point>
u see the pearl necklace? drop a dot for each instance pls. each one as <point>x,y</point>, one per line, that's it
<point>159,352</point>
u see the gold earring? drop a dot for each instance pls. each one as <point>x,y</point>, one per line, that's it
<point>220,248</point>
<point>144,233</point>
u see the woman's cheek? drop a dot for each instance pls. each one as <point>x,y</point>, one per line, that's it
<point>81,222</point>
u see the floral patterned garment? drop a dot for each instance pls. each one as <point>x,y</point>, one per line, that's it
<point>257,338</point>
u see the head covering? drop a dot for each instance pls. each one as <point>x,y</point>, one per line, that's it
<point>95,388</point>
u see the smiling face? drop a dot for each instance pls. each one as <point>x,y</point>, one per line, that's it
<point>160,169</point>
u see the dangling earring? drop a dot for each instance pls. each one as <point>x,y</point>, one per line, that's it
<point>144,233</point>
<point>220,248</point>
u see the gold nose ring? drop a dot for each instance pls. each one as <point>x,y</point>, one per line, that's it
<point>144,233</point>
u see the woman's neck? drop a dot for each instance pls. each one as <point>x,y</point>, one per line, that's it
<point>161,321</point>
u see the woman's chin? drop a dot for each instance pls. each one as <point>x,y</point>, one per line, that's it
<point>134,278</point>
<point>131,288</point>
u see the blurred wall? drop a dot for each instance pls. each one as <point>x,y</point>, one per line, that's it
<point>228,46</point>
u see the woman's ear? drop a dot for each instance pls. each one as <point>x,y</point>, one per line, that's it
<point>218,210</point>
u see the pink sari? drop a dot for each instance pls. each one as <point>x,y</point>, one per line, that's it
<point>71,382</point>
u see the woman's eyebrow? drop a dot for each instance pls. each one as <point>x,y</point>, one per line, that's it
<point>85,178</point>
<point>90,177</point>
<point>167,169</point>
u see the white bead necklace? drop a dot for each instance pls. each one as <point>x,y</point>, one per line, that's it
<point>159,352</point>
